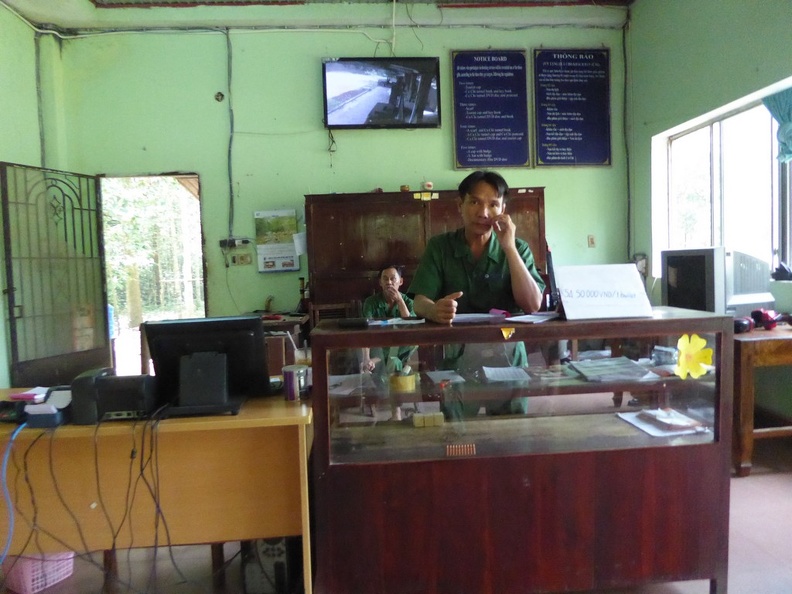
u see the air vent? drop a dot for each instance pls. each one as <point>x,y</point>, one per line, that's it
<point>456,450</point>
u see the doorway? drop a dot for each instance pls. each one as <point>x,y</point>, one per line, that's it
<point>154,260</point>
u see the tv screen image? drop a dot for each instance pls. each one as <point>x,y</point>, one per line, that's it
<point>208,365</point>
<point>381,93</point>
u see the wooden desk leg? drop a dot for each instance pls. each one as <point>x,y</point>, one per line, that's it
<point>742,447</point>
<point>218,565</point>
<point>110,563</point>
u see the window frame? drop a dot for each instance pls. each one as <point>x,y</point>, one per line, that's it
<point>662,186</point>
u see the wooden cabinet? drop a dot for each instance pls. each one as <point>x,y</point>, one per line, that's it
<point>564,492</point>
<point>351,236</point>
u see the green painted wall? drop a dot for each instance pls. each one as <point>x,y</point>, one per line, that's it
<point>686,59</point>
<point>144,103</point>
<point>19,128</point>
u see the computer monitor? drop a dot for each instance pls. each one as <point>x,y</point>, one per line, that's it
<point>694,278</point>
<point>208,363</point>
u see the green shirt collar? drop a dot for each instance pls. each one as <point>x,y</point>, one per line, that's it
<point>462,250</point>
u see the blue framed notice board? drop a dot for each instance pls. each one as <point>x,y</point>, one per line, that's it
<point>490,109</point>
<point>572,95</point>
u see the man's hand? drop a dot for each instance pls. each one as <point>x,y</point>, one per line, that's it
<point>392,295</point>
<point>505,230</point>
<point>367,365</point>
<point>441,311</point>
<point>445,308</point>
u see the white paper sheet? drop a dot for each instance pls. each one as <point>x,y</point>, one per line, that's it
<point>534,318</point>
<point>471,318</point>
<point>440,376</point>
<point>506,374</point>
<point>344,385</point>
<point>648,427</point>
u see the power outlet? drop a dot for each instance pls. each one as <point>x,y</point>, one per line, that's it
<point>591,241</point>
<point>241,259</point>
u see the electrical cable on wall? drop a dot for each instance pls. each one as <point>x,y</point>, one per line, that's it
<point>229,80</point>
<point>626,144</point>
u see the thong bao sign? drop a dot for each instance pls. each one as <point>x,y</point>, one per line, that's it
<point>572,94</point>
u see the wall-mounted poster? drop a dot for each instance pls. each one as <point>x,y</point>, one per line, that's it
<point>572,95</point>
<point>490,109</point>
<point>275,249</point>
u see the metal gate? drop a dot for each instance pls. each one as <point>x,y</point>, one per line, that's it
<point>55,285</point>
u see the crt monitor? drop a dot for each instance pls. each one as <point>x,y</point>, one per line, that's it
<point>694,278</point>
<point>240,338</point>
<point>747,284</point>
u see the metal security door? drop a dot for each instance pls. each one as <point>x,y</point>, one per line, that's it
<point>55,283</point>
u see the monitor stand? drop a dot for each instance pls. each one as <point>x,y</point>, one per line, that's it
<point>231,406</point>
<point>203,387</point>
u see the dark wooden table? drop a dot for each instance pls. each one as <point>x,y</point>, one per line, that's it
<point>758,348</point>
<point>280,351</point>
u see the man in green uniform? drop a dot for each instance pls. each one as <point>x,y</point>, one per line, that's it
<point>480,266</point>
<point>389,303</point>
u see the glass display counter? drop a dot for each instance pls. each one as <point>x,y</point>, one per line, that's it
<point>485,433</point>
<point>476,397</point>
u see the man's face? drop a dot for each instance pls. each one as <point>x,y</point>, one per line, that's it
<point>479,207</point>
<point>390,277</point>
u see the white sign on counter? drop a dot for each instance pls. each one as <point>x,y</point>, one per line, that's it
<point>601,291</point>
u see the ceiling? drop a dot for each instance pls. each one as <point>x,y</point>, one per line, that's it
<point>188,3</point>
<point>81,15</point>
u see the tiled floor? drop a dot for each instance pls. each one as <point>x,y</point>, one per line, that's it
<point>760,555</point>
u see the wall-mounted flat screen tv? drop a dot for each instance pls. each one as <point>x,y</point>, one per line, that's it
<point>381,93</point>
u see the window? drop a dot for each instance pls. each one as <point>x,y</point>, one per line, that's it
<point>724,186</point>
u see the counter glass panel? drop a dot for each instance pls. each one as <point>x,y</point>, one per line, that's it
<point>450,400</point>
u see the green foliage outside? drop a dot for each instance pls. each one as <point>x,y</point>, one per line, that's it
<point>153,249</point>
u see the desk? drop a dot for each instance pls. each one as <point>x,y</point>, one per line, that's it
<point>758,348</point>
<point>220,478</point>
<point>292,323</point>
<point>279,353</point>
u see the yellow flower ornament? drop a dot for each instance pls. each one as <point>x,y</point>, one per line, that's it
<point>692,356</point>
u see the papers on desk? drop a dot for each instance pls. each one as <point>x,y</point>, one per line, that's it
<point>442,376</point>
<point>506,374</point>
<point>612,370</point>
<point>344,385</point>
<point>534,318</point>
<point>472,318</point>
<point>645,424</point>
<point>396,322</point>
<point>33,395</point>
